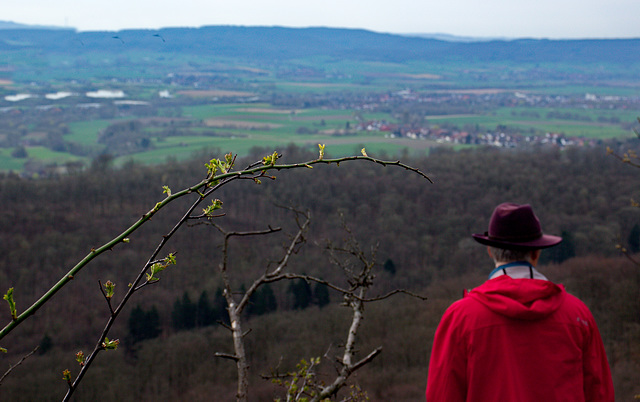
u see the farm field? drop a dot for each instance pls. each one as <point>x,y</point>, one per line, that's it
<point>243,127</point>
<point>9,163</point>
<point>573,122</point>
<point>239,127</point>
<point>86,132</point>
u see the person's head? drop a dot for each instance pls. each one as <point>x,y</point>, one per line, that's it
<point>515,234</point>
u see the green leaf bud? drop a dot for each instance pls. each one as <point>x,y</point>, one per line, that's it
<point>108,287</point>
<point>80,358</point>
<point>110,345</point>
<point>12,304</point>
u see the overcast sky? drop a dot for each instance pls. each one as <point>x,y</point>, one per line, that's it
<point>479,18</point>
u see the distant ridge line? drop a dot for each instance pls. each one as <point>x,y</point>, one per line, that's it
<point>285,43</point>
<point>17,25</point>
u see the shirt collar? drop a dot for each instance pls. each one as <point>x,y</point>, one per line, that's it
<point>517,270</point>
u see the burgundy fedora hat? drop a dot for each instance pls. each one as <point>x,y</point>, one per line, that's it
<point>514,226</point>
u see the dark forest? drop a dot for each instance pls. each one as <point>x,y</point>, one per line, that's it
<point>421,231</point>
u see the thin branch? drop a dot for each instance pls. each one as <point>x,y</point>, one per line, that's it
<point>145,284</point>
<point>206,216</point>
<point>11,368</point>
<point>266,278</point>
<point>132,289</point>
<point>627,158</point>
<point>625,252</point>
<point>224,324</point>
<point>227,356</point>
<point>393,292</point>
<point>343,290</point>
<point>366,359</point>
<point>107,298</point>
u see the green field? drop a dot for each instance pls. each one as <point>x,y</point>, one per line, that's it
<point>592,124</point>
<point>239,127</point>
<point>7,162</point>
<point>86,132</point>
<point>260,125</point>
<point>37,153</point>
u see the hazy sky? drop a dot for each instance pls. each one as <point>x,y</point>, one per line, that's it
<point>484,18</point>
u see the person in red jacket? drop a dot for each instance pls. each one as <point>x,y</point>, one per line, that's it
<point>518,337</point>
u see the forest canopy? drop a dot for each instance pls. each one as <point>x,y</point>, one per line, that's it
<point>421,230</point>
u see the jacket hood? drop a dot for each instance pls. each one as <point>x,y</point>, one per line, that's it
<point>525,299</point>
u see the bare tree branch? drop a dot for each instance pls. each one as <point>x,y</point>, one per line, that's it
<point>25,357</point>
<point>227,356</point>
<point>357,268</point>
<point>107,298</point>
<point>135,286</point>
<point>235,309</point>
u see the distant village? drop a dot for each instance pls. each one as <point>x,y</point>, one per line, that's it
<point>495,139</point>
<point>431,130</point>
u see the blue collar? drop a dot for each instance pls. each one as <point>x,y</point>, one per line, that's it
<point>504,267</point>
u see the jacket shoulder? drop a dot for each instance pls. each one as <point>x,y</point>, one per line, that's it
<point>577,309</point>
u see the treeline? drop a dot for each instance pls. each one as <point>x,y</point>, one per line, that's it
<point>186,314</point>
<point>420,231</point>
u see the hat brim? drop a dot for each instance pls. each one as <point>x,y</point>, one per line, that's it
<point>544,241</point>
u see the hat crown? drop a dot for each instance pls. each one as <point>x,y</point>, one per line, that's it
<point>513,222</point>
<point>514,226</point>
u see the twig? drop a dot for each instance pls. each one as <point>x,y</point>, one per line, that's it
<point>107,298</point>
<point>17,364</point>
<point>132,289</point>
<point>227,356</point>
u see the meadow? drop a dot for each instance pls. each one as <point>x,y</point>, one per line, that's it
<point>578,122</point>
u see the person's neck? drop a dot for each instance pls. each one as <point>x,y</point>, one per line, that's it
<point>523,262</point>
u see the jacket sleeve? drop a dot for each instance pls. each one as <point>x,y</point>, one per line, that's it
<point>598,385</point>
<point>447,376</point>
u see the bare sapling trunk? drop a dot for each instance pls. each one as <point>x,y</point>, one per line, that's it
<point>235,309</point>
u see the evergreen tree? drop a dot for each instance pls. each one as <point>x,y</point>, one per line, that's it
<point>204,312</point>
<point>389,266</point>
<point>143,324</point>
<point>136,327</point>
<point>45,344</point>
<point>263,301</point>
<point>269,299</point>
<point>183,315</point>
<point>152,320</point>
<point>321,295</point>
<point>563,251</point>
<point>302,295</point>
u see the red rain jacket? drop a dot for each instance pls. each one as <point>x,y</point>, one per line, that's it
<point>518,340</point>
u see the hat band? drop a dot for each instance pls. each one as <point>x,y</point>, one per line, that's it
<point>535,236</point>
